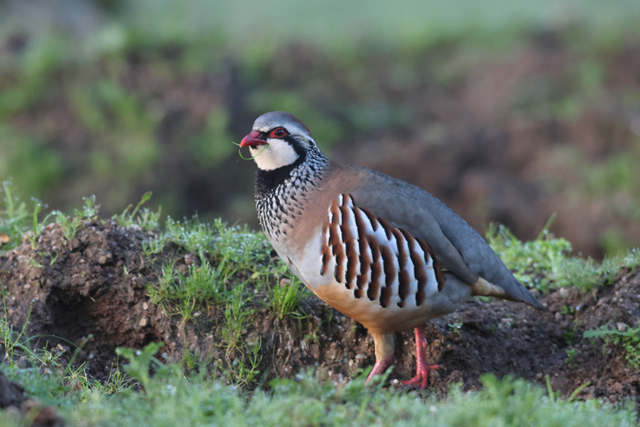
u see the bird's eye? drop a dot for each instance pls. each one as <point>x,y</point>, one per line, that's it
<point>278,133</point>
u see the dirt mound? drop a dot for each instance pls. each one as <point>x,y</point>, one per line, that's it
<point>69,291</point>
<point>91,293</point>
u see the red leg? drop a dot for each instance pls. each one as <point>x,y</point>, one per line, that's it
<point>379,368</point>
<point>422,368</point>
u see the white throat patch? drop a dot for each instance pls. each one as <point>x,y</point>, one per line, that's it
<point>277,154</point>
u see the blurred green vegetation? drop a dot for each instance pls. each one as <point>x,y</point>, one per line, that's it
<point>546,262</point>
<point>152,98</point>
<point>341,25</point>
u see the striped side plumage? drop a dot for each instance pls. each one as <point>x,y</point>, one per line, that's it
<point>376,260</point>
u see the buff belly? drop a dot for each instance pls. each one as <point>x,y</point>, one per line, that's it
<point>394,319</point>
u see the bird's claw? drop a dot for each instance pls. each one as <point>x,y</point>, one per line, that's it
<point>422,376</point>
<point>379,368</point>
<point>422,367</point>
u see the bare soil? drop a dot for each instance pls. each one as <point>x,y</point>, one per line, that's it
<point>93,289</point>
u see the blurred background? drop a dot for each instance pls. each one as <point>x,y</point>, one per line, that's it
<point>507,110</point>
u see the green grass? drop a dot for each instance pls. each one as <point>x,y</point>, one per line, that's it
<point>146,219</point>
<point>625,336</point>
<point>13,218</point>
<point>16,222</point>
<point>285,298</point>
<point>546,262</point>
<point>170,397</point>
<point>227,259</point>
<point>201,285</point>
<point>337,24</point>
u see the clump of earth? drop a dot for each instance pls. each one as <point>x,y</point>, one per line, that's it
<point>91,291</point>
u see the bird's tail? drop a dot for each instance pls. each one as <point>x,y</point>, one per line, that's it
<point>515,292</point>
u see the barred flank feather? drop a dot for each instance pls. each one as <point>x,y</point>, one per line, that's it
<point>376,260</point>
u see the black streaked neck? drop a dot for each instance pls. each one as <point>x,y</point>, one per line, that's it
<point>308,166</point>
<point>281,193</point>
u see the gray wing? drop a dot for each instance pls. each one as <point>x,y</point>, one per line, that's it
<point>456,244</point>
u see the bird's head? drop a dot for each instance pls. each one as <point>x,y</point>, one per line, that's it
<point>278,139</point>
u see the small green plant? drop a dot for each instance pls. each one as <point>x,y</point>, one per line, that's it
<point>571,354</point>
<point>89,210</point>
<point>166,283</point>
<point>235,314</point>
<point>205,282</point>
<point>183,293</point>
<point>244,370</point>
<point>285,297</point>
<point>239,244</point>
<point>8,337</point>
<point>457,326</point>
<point>140,362</point>
<point>625,336</point>
<point>145,219</point>
<point>313,335</point>
<point>569,335</point>
<point>70,225</point>
<point>37,226</point>
<point>153,246</point>
<point>13,219</point>
<point>52,258</point>
<point>35,263</point>
<point>556,396</point>
<point>193,236</point>
<point>117,382</point>
<point>191,360</point>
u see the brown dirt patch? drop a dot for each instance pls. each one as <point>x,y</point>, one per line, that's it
<point>96,287</point>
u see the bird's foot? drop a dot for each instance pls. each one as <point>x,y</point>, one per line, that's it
<point>379,368</point>
<point>422,368</point>
<point>422,376</point>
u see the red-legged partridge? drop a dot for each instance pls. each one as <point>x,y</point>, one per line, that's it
<point>383,252</point>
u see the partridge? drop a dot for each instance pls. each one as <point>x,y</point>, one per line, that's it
<point>379,250</point>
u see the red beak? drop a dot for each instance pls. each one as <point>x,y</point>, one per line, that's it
<point>252,139</point>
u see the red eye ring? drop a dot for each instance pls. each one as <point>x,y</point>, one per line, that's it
<point>279,132</point>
